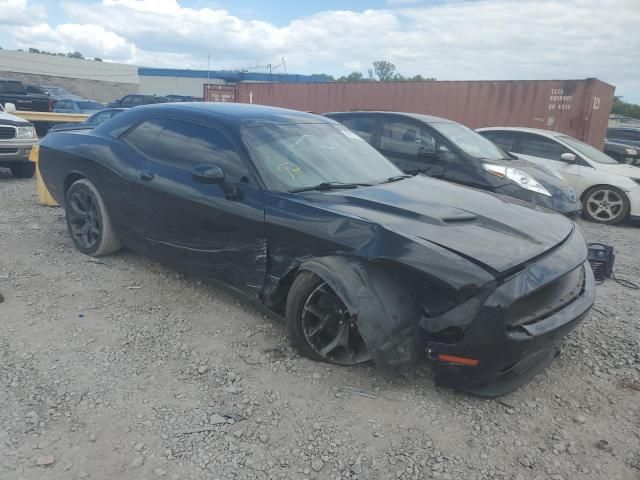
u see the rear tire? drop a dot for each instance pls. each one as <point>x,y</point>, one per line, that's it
<point>319,324</point>
<point>605,204</point>
<point>88,221</point>
<point>23,170</point>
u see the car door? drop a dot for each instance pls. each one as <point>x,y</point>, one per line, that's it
<point>216,230</point>
<point>411,146</point>
<point>547,151</point>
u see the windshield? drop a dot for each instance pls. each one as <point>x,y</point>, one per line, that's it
<point>56,91</point>
<point>469,141</point>
<point>90,106</point>
<point>304,155</point>
<point>587,150</point>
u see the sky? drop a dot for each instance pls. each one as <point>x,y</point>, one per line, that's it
<point>445,39</point>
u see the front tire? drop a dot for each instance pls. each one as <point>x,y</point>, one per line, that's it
<point>23,170</point>
<point>605,204</point>
<point>88,221</point>
<point>319,324</point>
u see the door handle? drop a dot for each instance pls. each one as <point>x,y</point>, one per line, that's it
<point>147,176</point>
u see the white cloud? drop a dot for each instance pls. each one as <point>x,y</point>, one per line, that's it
<point>18,12</point>
<point>488,39</point>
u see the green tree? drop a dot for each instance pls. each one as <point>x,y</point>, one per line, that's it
<point>384,70</point>
<point>97,59</point>
<point>75,54</point>
<point>352,77</point>
<point>620,107</point>
<point>325,77</point>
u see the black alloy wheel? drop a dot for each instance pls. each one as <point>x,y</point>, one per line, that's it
<point>330,330</point>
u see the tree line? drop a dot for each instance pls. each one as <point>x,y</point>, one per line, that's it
<point>380,71</point>
<point>620,107</point>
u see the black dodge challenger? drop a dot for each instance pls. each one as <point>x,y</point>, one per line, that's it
<point>299,213</point>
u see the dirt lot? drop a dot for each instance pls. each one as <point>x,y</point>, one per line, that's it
<point>119,368</point>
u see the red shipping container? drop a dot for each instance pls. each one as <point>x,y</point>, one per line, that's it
<point>579,108</point>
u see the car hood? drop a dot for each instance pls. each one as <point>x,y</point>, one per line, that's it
<point>619,169</point>
<point>494,231</point>
<point>12,119</point>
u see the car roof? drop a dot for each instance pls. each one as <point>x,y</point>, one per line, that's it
<point>240,113</point>
<point>415,116</point>
<point>539,131</point>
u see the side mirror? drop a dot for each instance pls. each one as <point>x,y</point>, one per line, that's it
<point>214,175</point>
<point>568,157</point>
<point>10,107</point>
<point>436,171</point>
<point>209,174</point>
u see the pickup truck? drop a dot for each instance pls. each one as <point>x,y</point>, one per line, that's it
<point>13,91</point>
<point>17,138</point>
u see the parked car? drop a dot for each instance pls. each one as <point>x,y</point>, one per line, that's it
<point>610,192</point>
<point>91,122</point>
<point>79,105</point>
<point>135,100</point>
<point>17,137</point>
<point>13,91</point>
<point>622,153</point>
<point>444,149</point>
<point>298,213</point>
<point>626,135</point>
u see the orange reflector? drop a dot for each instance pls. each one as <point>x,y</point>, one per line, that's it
<point>471,362</point>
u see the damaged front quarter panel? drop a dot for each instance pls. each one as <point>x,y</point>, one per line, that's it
<point>372,268</point>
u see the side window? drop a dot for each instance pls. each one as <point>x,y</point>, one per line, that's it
<point>505,140</point>
<point>363,126</point>
<point>64,104</point>
<point>406,138</point>
<point>538,146</point>
<point>143,137</point>
<point>184,144</point>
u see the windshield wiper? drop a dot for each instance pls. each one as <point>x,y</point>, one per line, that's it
<point>396,178</point>
<point>325,186</point>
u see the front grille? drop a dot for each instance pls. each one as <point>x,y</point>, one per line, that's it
<point>546,300</point>
<point>8,150</point>
<point>7,133</point>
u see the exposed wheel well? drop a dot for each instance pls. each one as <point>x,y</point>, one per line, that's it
<point>70,180</point>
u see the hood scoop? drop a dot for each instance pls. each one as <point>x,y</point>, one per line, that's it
<point>462,218</point>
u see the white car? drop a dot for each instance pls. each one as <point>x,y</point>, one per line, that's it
<point>610,191</point>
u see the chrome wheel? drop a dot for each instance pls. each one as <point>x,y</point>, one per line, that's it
<point>84,219</point>
<point>605,205</point>
<point>330,330</point>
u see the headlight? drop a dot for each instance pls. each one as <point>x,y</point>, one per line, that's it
<point>637,180</point>
<point>26,132</point>
<point>630,151</point>
<point>518,177</point>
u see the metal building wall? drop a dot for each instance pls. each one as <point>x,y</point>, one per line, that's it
<point>579,108</point>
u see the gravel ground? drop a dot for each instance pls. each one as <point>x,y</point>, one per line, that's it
<point>119,368</point>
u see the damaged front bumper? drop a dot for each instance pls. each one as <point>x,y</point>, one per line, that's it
<point>516,332</point>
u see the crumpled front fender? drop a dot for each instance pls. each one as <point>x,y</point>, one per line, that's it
<point>383,302</point>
